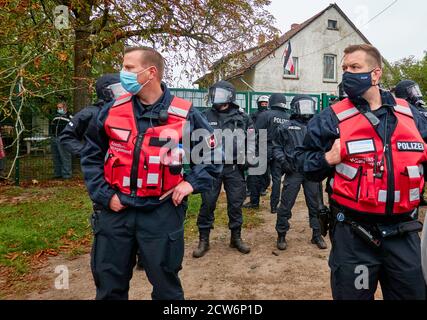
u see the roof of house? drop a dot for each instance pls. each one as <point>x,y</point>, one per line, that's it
<point>269,47</point>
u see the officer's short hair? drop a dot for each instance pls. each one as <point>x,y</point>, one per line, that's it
<point>375,58</point>
<point>151,57</point>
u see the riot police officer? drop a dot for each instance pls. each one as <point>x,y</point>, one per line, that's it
<point>227,120</point>
<point>270,120</point>
<point>410,91</point>
<point>108,87</point>
<point>258,184</point>
<point>289,136</point>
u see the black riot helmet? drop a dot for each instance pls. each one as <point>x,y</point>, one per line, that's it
<point>262,100</point>
<point>277,100</point>
<point>341,93</point>
<point>303,107</point>
<point>221,93</point>
<point>108,87</point>
<point>410,91</point>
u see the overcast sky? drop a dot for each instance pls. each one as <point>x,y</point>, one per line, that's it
<point>399,32</point>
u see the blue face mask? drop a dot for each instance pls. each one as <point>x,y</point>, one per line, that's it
<point>356,84</point>
<point>61,111</point>
<point>129,81</point>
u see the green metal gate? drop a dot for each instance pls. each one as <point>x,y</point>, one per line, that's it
<point>245,99</point>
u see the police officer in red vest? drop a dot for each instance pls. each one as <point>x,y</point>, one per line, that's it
<point>371,146</point>
<point>132,164</point>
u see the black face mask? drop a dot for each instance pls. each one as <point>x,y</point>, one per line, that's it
<point>218,107</point>
<point>356,84</point>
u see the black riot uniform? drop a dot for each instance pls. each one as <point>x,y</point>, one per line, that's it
<point>72,137</point>
<point>396,263</point>
<point>62,159</point>
<point>410,91</point>
<point>288,136</point>
<point>270,120</point>
<point>226,117</point>
<point>258,184</point>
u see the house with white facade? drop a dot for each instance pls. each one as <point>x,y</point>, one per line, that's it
<point>317,51</point>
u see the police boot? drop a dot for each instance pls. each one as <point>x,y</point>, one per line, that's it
<point>203,246</point>
<point>317,239</point>
<point>281,242</point>
<point>237,242</point>
<point>250,205</point>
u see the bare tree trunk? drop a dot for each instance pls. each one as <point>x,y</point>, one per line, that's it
<point>82,71</point>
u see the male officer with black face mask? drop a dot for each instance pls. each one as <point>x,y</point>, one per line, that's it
<point>270,120</point>
<point>289,136</point>
<point>372,148</point>
<point>258,184</point>
<point>225,116</point>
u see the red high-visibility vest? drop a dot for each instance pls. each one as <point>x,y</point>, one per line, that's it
<point>140,164</point>
<point>371,178</point>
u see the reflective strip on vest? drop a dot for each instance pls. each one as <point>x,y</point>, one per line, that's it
<point>153,178</point>
<point>176,111</point>
<point>126,182</point>
<point>346,170</point>
<point>413,172</point>
<point>382,196</point>
<point>154,160</point>
<point>414,194</point>
<point>404,110</point>
<point>122,100</point>
<point>347,114</point>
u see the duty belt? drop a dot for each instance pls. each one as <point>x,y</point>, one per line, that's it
<point>369,233</point>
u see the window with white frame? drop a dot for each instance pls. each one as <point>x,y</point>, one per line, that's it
<point>330,68</point>
<point>295,74</point>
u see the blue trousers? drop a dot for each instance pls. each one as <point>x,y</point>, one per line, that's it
<point>159,237</point>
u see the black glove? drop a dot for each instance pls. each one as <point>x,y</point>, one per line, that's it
<point>285,167</point>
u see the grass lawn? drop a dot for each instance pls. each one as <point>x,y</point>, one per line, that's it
<point>54,217</point>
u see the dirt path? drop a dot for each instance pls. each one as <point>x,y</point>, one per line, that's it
<point>300,272</point>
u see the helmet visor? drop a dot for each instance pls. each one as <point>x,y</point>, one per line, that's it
<point>414,91</point>
<point>306,107</point>
<point>220,96</point>
<point>117,90</point>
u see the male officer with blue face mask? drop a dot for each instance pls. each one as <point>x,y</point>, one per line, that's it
<point>372,148</point>
<point>130,170</point>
